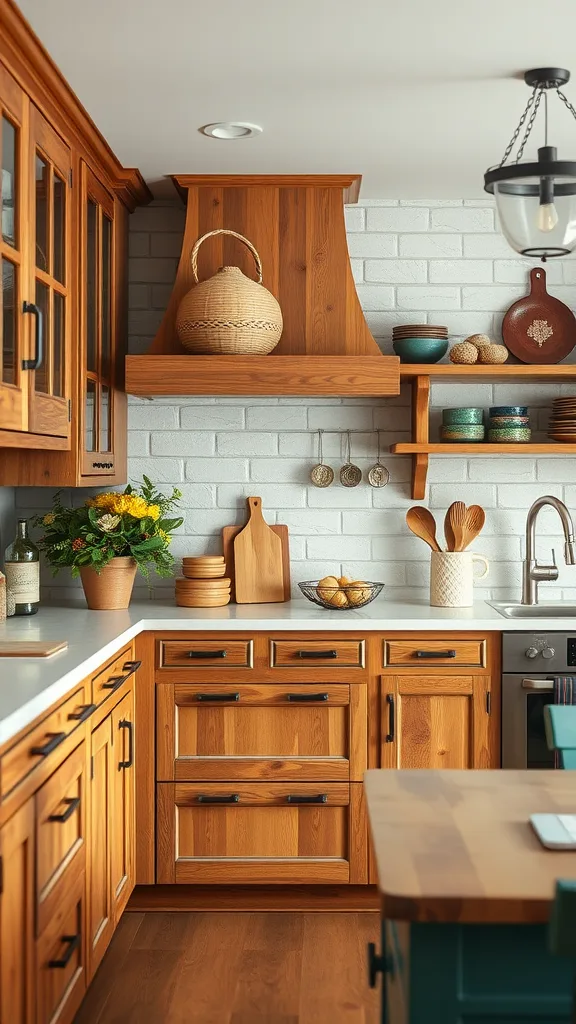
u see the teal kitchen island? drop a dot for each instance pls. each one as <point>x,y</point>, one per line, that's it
<point>466,894</point>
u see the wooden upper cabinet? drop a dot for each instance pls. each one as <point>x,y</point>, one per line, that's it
<point>13,388</point>
<point>437,721</point>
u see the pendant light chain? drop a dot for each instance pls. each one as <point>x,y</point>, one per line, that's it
<point>518,129</point>
<point>566,102</point>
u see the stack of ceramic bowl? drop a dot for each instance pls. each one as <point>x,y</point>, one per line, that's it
<point>203,584</point>
<point>562,426</point>
<point>420,343</point>
<point>509,424</point>
<point>462,426</point>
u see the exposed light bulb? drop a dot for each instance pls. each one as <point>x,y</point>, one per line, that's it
<point>547,217</point>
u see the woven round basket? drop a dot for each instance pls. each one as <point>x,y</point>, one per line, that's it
<point>228,314</point>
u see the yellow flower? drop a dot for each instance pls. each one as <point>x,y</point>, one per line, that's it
<point>105,500</point>
<point>49,519</point>
<point>153,512</point>
<point>165,536</point>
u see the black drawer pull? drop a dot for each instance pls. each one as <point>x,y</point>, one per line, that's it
<point>377,964</point>
<point>56,738</point>
<point>435,654</point>
<point>207,654</point>
<point>322,798</point>
<point>233,798</point>
<point>83,714</point>
<point>130,667</point>
<point>316,654</point>
<point>102,465</point>
<point>73,944</point>
<point>391,718</point>
<point>125,724</point>
<point>218,696</point>
<point>302,698</point>
<point>73,805</point>
<point>114,683</point>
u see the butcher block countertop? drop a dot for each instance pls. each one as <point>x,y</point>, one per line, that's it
<point>457,846</point>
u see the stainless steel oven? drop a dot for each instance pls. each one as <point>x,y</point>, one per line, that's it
<point>529,661</point>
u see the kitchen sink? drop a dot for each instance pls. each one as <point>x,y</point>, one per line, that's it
<point>510,610</point>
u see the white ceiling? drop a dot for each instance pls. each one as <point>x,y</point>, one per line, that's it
<point>419,96</point>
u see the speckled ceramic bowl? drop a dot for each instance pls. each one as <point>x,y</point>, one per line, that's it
<point>459,416</point>
<point>509,421</point>
<point>420,350</point>
<point>462,432</point>
<point>509,410</point>
<point>510,435</point>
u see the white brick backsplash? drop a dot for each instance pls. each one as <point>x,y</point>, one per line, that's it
<point>461,219</point>
<point>461,271</point>
<point>415,261</point>
<point>430,246</point>
<point>428,297</point>
<point>213,417</point>
<point>396,271</point>
<point>400,218</point>
<point>371,244</point>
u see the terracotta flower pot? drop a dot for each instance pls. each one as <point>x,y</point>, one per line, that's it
<point>112,588</point>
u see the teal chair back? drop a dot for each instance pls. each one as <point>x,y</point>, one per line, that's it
<point>562,932</point>
<point>560,725</point>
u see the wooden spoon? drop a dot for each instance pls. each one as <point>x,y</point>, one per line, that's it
<point>474,521</point>
<point>422,523</point>
<point>449,533</point>
<point>457,517</point>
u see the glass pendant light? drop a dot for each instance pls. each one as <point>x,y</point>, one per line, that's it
<point>536,199</point>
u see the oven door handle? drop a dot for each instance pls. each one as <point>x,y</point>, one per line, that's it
<point>543,685</point>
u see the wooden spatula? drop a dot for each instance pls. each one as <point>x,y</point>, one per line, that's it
<point>258,560</point>
<point>457,518</point>
<point>422,523</point>
<point>449,533</point>
<point>473,523</point>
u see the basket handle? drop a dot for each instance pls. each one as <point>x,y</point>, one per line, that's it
<point>224,231</point>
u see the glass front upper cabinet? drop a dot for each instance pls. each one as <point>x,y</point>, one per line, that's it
<point>13,402</point>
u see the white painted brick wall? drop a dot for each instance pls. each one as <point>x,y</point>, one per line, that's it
<point>435,261</point>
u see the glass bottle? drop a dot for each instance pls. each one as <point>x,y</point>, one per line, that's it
<point>22,568</point>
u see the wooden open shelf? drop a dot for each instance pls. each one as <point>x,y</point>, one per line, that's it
<point>420,448</point>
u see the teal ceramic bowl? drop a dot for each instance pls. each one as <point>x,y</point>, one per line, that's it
<point>510,435</point>
<point>462,432</point>
<point>420,350</point>
<point>509,410</point>
<point>458,416</point>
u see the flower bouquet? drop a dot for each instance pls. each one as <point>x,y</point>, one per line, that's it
<point>109,537</point>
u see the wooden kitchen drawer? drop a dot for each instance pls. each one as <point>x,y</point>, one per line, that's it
<point>114,675</point>
<point>60,834</point>
<point>203,654</point>
<point>446,653</point>
<point>61,960</point>
<point>224,731</point>
<point>43,741</point>
<point>223,832</point>
<point>331,654</point>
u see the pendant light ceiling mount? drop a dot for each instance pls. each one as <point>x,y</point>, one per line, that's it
<point>536,199</point>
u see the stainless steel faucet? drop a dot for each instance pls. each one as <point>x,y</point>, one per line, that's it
<point>533,574</point>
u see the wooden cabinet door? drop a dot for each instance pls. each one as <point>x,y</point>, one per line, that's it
<point>436,721</point>
<point>17,918</point>
<point>100,919</point>
<point>102,264</point>
<point>47,288</point>
<point>13,197</point>
<point>123,833</point>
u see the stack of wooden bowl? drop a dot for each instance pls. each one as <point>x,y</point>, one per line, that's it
<point>203,584</point>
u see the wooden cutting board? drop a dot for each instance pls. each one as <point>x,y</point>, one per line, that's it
<point>228,535</point>
<point>31,648</point>
<point>258,558</point>
<point>539,328</point>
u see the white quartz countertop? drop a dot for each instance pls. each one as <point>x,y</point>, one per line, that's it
<point>29,686</point>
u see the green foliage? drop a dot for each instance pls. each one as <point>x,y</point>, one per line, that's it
<point>135,522</point>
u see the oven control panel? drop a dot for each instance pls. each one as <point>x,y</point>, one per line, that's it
<point>571,651</point>
<point>547,653</point>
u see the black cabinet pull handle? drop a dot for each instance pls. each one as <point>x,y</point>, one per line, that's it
<point>391,718</point>
<point>85,711</point>
<point>233,798</point>
<point>316,654</point>
<point>207,654</point>
<point>322,798</point>
<point>218,696</point>
<point>435,654</point>
<point>33,364</point>
<point>115,682</point>
<point>125,724</point>
<point>73,804</point>
<point>102,465</point>
<point>56,738</point>
<point>130,667</point>
<point>377,964</point>
<point>73,942</point>
<point>302,698</point>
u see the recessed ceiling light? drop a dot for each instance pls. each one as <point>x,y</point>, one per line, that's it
<point>231,130</point>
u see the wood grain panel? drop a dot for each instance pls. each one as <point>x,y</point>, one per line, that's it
<point>60,990</point>
<point>123,837</point>
<point>145,768</point>
<point>292,269</point>
<point>181,653</point>
<point>17,1004</point>
<point>292,653</point>
<point>101,682</point>
<point>100,920</point>
<point>471,653</point>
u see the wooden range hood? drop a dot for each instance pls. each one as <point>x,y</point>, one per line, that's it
<point>297,224</point>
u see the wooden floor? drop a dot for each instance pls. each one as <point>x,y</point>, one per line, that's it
<point>224,968</point>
